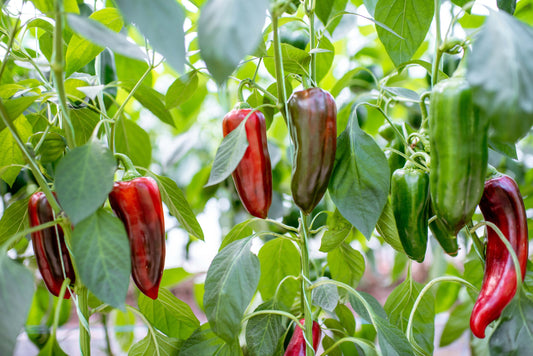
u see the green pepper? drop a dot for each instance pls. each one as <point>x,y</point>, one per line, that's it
<point>410,204</point>
<point>446,241</point>
<point>459,153</point>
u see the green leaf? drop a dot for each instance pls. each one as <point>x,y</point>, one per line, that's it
<point>399,305</point>
<point>279,258</point>
<point>178,206</point>
<point>458,322</point>
<point>102,253</point>
<point>229,155</point>
<point>225,36</point>
<point>14,219</point>
<point>410,19</point>
<point>502,80</point>
<point>182,89</point>
<point>508,6</point>
<point>360,181</point>
<point>370,6</point>
<point>230,285</point>
<point>166,346</point>
<point>324,59</point>
<point>165,34</point>
<point>264,332</point>
<point>150,99</point>
<point>47,7</point>
<point>16,293</point>
<point>514,333</point>
<point>11,153</point>
<point>239,231</point>
<point>339,229</point>
<point>133,141</point>
<point>295,60</point>
<point>124,324</point>
<point>84,121</point>
<point>387,228</point>
<point>203,342</point>
<point>16,107</point>
<point>174,276</point>
<point>346,264</point>
<point>52,348</point>
<point>325,296</point>
<point>84,178</point>
<point>327,9</point>
<point>170,315</point>
<point>346,318</point>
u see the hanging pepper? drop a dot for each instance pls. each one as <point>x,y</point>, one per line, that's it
<point>440,233</point>
<point>502,205</point>
<point>49,246</point>
<point>459,152</point>
<point>253,175</point>
<point>410,203</point>
<point>313,129</point>
<point>137,202</point>
<point>297,344</point>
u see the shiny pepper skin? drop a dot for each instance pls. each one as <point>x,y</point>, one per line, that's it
<point>46,248</point>
<point>137,203</point>
<point>410,204</point>
<point>253,175</point>
<point>313,129</point>
<point>440,233</point>
<point>297,344</point>
<point>459,153</point>
<point>502,205</point>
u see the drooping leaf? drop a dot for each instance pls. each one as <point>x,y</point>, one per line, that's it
<point>458,322</point>
<point>182,89</point>
<point>230,285</point>
<point>84,178</point>
<point>387,228</point>
<point>410,19</point>
<point>101,250</point>
<point>133,141</point>
<point>225,36</point>
<point>150,99</point>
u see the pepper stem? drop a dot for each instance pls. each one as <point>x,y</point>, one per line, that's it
<point>306,293</point>
<point>131,172</point>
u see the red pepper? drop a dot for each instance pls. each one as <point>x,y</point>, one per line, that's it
<point>502,205</point>
<point>137,203</point>
<point>297,344</point>
<point>253,175</point>
<point>49,246</point>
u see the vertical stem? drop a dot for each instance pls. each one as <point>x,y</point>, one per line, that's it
<point>85,336</point>
<point>57,66</point>
<point>106,332</point>
<point>280,76</point>
<point>438,53</point>
<point>306,292</point>
<point>312,43</point>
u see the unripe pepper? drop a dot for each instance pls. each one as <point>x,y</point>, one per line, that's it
<point>502,205</point>
<point>440,233</point>
<point>253,175</point>
<point>137,202</point>
<point>459,153</point>
<point>297,344</point>
<point>410,203</point>
<point>313,129</point>
<point>49,246</point>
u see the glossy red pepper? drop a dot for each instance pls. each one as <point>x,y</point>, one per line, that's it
<point>297,344</point>
<point>49,246</point>
<point>253,175</point>
<point>137,203</point>
<point>502,205</point>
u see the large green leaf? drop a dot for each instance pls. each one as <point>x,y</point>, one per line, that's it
<point>84,178</point>
<point>228,30</point>
<point>230,285</point>
<point>102,254</point>
<point>359,184</point>
<point>165,34</point>
<point>133,141</point>
<point>16,293</point>
<point>169,314</point>
<point>410,19</point>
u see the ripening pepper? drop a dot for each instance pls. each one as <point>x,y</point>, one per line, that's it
<point>410,204</point>
<point>253,175</point>
<point>49,246</point>
<point>459,153</point>
<point>137,202</point>
<point>313,129</point>
<point>502,205</point>
<point>297,344</point>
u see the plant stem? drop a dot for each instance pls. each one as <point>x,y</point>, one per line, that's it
<point>306,292</point>
<point>85,336</point>
<point>280,76</point>
<point>310,12</point>
<point>57,66</point>
<point>438,53</point>
<point>106,332</point>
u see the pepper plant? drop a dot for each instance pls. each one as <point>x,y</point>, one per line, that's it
<point>364,136</point>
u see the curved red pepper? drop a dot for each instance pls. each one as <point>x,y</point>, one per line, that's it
<point>297,344</point>
<point>137,203</point>
<point>253,175</point>
<point>502,205</point>
<point>46,246</point>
